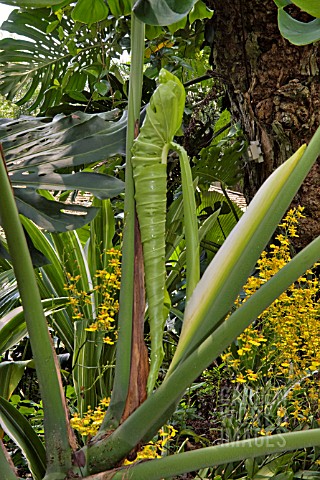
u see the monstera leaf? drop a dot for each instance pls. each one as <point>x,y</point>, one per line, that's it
<point>39,151</point>
<point>54,59</point>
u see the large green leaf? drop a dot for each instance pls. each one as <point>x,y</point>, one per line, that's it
<point>211,201</point>
<point>100,185</point>
<point>296,32</point>
<point>162,12</point>
<point>19,429</point>
<point>55,63</point>
<point>119,8</point>
<point>36,150</point>
<point>222,161</point>
<point>51,215</point>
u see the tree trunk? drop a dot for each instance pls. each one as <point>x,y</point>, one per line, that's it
<point>274,92</point>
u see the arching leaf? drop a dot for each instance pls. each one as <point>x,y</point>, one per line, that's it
<point>296,32</point>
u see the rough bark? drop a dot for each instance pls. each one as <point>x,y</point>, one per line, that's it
<point>274,91</point>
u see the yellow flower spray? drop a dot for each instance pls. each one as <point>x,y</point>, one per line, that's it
<point>107,284</point>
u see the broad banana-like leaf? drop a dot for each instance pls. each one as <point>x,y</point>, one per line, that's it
<point>36,150</point>
<point>20,431</point>
<point>149,160</point>
<point>162,12</point>
<point>296,32</point>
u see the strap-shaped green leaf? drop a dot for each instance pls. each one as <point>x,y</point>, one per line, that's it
<point>149,160</point>
<point>13,326</point>
<point>20,430</point>
<point>162,12</point>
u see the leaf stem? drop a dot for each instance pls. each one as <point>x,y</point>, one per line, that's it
<point>57,430</point>
<point>123,356</point>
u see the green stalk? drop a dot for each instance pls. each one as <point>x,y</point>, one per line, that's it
<point>167,467</point>
<point>190,222</point>
<point>154,412</point>
<point>57,430</point>
<point>123,356</point>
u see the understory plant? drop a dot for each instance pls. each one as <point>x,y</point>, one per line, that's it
<point>139,408</point>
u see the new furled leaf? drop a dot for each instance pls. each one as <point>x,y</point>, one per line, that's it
<point>149,160</point>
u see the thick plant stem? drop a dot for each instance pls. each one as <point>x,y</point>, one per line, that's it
<point>58,435</point>
<point>123,357</point>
